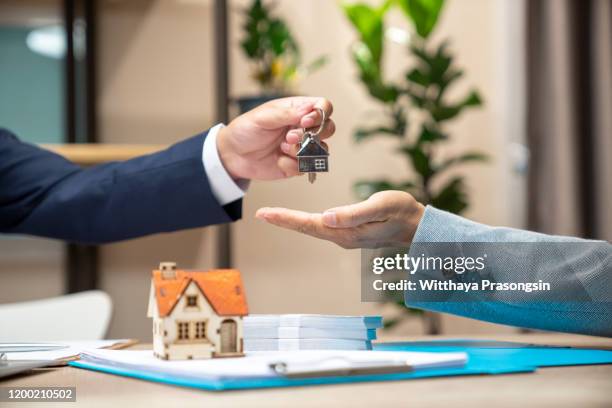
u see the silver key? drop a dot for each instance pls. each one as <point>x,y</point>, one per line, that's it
<point>312,156</point>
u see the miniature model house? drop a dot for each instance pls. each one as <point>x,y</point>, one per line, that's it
<point>196,314</point>
<point>312,156</point>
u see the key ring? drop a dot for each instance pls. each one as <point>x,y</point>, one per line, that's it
<point>321,126</point>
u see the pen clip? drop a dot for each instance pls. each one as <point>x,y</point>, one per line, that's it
<point>312,370</point>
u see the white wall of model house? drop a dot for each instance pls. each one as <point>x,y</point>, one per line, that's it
<point>166,342</point>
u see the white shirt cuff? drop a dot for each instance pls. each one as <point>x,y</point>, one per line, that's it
<point>223,187</point>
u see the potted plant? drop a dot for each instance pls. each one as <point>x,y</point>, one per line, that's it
<point>415,109</point>
<point>273,53</point>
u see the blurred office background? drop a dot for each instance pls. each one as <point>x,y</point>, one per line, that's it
<point>144,72</point>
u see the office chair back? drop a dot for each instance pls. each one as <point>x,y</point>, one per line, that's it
<point>79,316</point>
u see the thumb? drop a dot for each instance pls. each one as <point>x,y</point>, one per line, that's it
<point>353,215</point>
<point>274,115</point>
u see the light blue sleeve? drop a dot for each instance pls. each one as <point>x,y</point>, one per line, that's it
<point>591,267</point>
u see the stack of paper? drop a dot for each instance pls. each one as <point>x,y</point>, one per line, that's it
<point>68,350</point>
<point>19,357</point>
<point>309,332</point>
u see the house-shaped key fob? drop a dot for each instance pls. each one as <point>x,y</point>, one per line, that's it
<point>312,156</point>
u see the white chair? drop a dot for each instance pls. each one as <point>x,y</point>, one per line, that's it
<point>79,316</point>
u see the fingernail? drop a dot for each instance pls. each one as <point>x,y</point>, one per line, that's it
<point>305,107</point>
<point>292,138</point>
<point>261,213</point>
<point>308,122</point>
<point>285,147</point>
<point>329,218</point>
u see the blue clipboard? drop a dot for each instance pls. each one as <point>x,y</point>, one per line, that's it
<point>484,358</point>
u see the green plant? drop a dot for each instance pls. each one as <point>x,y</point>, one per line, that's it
<point>271,47</point>
<point>422,93</point>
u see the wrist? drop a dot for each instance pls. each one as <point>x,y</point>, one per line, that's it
<point>227,153</point>
<point>413,219</point>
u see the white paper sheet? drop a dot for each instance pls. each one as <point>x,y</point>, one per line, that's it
<point>71,349</point>
<point>257,364</point>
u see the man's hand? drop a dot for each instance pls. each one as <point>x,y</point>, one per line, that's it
<point>386,219</point>
<point>261,144</point>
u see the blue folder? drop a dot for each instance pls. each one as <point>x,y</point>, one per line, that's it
<point>484,358</point>
<point>506,353</point>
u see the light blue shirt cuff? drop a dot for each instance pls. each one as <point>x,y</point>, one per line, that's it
<point>223,187</point>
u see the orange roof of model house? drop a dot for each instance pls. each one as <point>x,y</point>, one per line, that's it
<point>222,288</point>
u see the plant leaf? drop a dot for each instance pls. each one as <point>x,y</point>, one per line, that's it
<point>416,99</point>
<point>423,14</point>
<point>268,42</point>
<point>418,77</point>
<point>367,52</point>
<point>400,120</point>
<point>441,112</point>
<point>420,160</point>
<point>250,46</point>
<point>368,21</point>
<point>316,64</point>
<point>364,133</point>
<point>407,186</point>
<point>473,99</point>
<point>281,40</point>
<point>451,76</point>
<point>452,197</point>
<point>464,158</point>
<point>369,71</point>
<point>429,135</point>
<point>364,189</point>
<point>444,112</point>
<point>440,62</point>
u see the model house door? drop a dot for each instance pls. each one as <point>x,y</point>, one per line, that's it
<point>229,333</point>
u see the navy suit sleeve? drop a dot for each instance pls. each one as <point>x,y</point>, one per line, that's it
<point>43,194</point>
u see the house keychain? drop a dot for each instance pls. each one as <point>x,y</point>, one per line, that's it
<point>312,156</point>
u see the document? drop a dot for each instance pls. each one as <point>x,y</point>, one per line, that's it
<point>260,364</point>
<point>69,350</point>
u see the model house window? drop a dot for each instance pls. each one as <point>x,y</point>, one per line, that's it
<point>183,330</point>
<point>192,301</point>
<point>319,164</point>
<point>200,330</point>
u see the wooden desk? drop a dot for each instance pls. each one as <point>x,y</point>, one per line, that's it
<point>583,386</point>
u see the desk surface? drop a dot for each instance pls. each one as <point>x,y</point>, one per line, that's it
<point>583,386</point>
